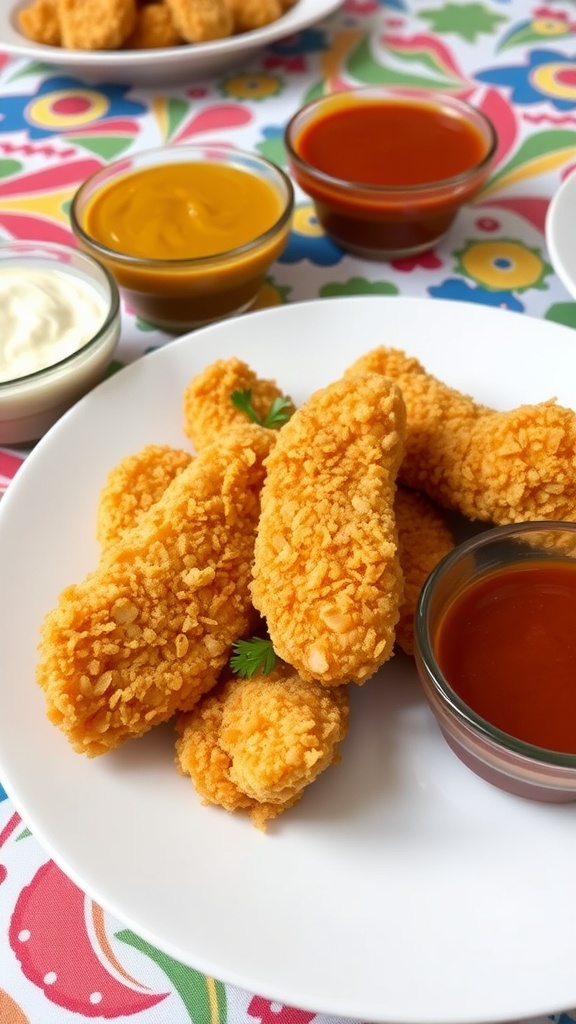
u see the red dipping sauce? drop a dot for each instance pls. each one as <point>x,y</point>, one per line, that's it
<point>506,645</point>
<point>388,171</point>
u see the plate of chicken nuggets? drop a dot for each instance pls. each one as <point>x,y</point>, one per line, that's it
<point>209,710</point>
<point>151,42</point>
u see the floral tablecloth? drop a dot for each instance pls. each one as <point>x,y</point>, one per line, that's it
<point>513,59</point>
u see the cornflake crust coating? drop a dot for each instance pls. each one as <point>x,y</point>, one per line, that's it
<point>327,577</point>
<point>199,21</point>
<point>254,745</point>
<point>96,24</point>
<point>498,467</point>
<point>424,537</point>
<point>148,632</point>
<point>135,484</point>
<point>209,411</point>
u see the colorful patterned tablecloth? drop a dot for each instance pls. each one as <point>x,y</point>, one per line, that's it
<point>513,59</point>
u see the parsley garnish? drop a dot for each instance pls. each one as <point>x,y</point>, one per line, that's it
<point>252,657</point>
<point>279,411</point>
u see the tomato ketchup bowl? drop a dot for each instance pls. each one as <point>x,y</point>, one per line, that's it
<point>188,232</point>
<point>495,649</point>
<point>387,169</point>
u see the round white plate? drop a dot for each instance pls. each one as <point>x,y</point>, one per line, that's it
<point>561,233</point>
<point>402,887</point>
<point>178,64</point>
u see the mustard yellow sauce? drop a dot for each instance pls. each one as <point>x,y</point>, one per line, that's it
<point>182,211</point>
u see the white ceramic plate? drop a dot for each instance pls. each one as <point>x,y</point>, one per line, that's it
<point>402,887</point>
<point>179,64</point>
<point>561,233</point>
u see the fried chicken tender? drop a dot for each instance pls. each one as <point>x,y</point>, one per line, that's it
<point>424,537</point>
<point>135,484</point>
<point>255,744</point>
<point>40,22</point>
<point>248,15</point>
<point>199,21</point>
<point>154,28</point>
<point>150,629</point>
<point>498,467</point>
<point>208,409</point>
<point>96,24</point>
<point>327,578</point>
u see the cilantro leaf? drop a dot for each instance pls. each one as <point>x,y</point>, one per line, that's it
<point>279,412</point>
<point>252,657</point>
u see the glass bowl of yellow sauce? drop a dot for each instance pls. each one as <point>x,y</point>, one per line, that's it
<point>59,327</point>
<point>189,232</point>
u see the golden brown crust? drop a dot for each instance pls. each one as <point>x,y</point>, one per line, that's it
<point>499,467</point>
<point>208,410</point>
<point>135,484</point>
<point>148,632</point>
<point>248,15</point>
<point>154,29</point>
<point>96,24</point>
<point>40,22</point>
<point>326,573</point>
<point>199,21</point>
<point>255,744</point>
<point>424,537</point>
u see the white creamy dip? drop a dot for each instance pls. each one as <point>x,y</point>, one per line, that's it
<point>45,315</point>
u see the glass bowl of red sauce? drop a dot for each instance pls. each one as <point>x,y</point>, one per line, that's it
<point>389,169</point>
<point>496,654</point>
<point>189,232</point>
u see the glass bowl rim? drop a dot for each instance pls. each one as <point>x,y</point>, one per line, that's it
<point>112,313</point>
<point>435,680</point>
<point>433,98</point>
<point>196,262</point>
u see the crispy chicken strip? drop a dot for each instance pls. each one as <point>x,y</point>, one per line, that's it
<point>148,632</point>
<point>154,28</point>
<point>199,21</point>
<point>135,484</point>
<point>208,409</point>
<point>499,467</point>
<point>248,15</point>
<point>326,574</point>
<point>40,22</point>
<point>424,537</point>
<point>255,744</point>
<point>96,24</point>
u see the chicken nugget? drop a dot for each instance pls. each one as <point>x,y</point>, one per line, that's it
<point>154,28</point>
<point>199,21</point>
<point>248,15</point>
<point>208,409</point>
<point>424,537</point>
<point>40,22</point>
<point>150,629</point>
<point>133,486</point>
<point>497,467</point>
<point>96,24</point>
<point>255,744</point>
<point>326,573</point>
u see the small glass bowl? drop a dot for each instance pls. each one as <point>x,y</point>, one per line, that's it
<point>496,756</point>
<point>30,404</point>
<point>179,295</point>
<point>380,222</point>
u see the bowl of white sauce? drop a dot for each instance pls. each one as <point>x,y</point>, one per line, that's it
<point>59,327</point>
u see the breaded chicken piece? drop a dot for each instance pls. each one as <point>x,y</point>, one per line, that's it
<point>326,573</point>
<point>40,22</point>
<point>248,15</point>
<point>150,629</point>
<point>499,467</point>
<point>133,486</point>
<point>154,28</point>
<point>255,744</point>
<point>96,24</point>
<point>424,537</point>
<point>208,409</point>
<point>199,21</point>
